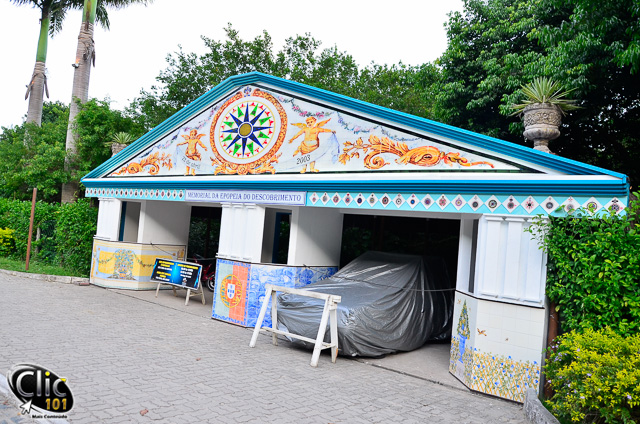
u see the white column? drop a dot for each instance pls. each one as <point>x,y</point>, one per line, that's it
<point>512,276</point>
<point>509,263</point>
<point>536,275</point>
<point>109,211</point>
<point>238,230</point>
<point>254,218</point>
<point>492,266</point>
<point>465,254</point>
<point>226,231</point>
<point>241,231</point>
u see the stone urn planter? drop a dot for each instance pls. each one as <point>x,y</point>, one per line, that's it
<point>543,104</point>
<point>117,148</point>
<point>542,124</point>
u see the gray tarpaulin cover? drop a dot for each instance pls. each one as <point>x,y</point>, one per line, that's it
<point>390,302</point>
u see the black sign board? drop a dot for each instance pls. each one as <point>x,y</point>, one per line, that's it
<point>179,273</point>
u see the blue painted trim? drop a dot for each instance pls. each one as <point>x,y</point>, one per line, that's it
<point>557,163</point>
<point>529,187</point>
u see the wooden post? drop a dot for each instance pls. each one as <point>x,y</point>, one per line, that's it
<point>33,212</point>
<point>552,334</point>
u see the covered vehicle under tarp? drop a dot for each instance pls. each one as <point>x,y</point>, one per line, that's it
<point>390,303</point>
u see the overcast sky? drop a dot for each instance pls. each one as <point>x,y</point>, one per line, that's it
<point>133,52</point>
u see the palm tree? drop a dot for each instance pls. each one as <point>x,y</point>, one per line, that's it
<point>52,14</point>
<point>85,56</point>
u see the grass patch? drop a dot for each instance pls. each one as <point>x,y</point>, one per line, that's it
<point>36,267</point>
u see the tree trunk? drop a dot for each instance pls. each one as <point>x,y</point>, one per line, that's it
<point>80,93</point>
<point>35,92</point>
<point>35,89</point>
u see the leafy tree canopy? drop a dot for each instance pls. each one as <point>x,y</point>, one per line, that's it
<point>188,75</point>
<point>32,156</point>
<point>495,46</point>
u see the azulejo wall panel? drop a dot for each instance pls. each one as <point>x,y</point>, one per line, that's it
<point>256,130</point>
<point>240,287</point>
<point>500,372</point>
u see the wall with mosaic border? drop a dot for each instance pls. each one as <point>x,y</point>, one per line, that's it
<point>494,360</point>
<point>240,287</point>
<point>129,265</point>
<point>432,202</point>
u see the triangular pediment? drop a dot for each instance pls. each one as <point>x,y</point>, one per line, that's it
<point>255,130</point>
<point>266,130</point>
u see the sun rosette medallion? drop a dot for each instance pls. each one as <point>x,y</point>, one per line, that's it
<point>246,134</point>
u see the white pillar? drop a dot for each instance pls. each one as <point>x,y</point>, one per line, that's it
<point>509,263</point>
<point>466,255</point>
<point>226,231</point>
<point>241,231</point>
<point>109,219</point>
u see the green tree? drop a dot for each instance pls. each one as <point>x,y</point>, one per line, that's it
<point>52,14</point>
<point>96,126</point>
<point>489,54</point>
<point>37,160</point>
<point>85,56</point>
<point>596,52</point>
<point>495,46</point>
<point>188,76</point>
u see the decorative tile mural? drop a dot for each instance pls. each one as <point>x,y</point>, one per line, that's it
<point>240,288</point>
<point>258,131</point>
<point>495,374</point>
<point>128,265</point>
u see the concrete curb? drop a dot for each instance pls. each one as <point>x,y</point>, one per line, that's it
<point>536,412</point>
<point>78,281</point>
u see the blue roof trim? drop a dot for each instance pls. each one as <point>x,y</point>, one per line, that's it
<point>527,187</point>
<point>557,163</point>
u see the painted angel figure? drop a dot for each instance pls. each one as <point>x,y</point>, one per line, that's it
<point>311,142</point>
<point>192,154</point>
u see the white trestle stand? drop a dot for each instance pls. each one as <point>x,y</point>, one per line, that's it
<point>197,292</point>
<point>328,314</point>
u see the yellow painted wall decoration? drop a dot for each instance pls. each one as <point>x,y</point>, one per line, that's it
<point>128,265</point>
<point>257,131</point>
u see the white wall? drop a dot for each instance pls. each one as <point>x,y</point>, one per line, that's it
<point>164,222</point>
<point>109,219</point>
<point>316,237</point>
<point>241,231</point>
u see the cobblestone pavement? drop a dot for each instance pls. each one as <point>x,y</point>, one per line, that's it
<point>123,356</point>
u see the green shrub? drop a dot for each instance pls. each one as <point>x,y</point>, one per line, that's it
<point>595,376</point>
<point>593,272</point>
<point>7,241</point>
<point>75,227</point>
<point>15,215</point>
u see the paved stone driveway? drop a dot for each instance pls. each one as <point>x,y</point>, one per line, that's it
<point>123,355</point>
